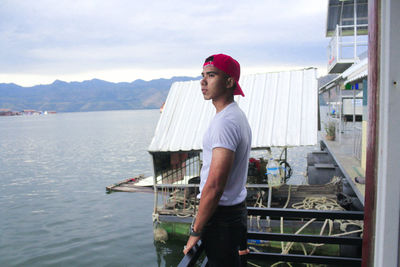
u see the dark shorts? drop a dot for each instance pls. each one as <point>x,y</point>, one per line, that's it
<point>225,234</point>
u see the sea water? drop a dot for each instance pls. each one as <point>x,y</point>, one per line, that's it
<point>54,210</point>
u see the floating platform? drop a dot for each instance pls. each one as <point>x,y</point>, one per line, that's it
<point>136,184</point>
<point>175,211</point>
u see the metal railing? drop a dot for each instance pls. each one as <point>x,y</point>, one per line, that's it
<point>191,258</point>
<point>193,255</point>
<point>174,182</point>
<point>189,167</point>
<point>344,47</point>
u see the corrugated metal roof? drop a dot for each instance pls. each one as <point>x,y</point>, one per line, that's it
<point>359,76</point>
<point>281,108</point>
<point>356,71</point>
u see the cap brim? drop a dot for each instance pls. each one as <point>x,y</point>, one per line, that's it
<point>238,90</point>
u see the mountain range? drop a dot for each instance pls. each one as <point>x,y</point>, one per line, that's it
<point>91,95</point>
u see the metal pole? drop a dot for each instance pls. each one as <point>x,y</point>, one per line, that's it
<point>269,204</point>
<point>329,106</point>
<point>155,187</point>
<point>337,43</point>
<point>354,119</point>
<point>341,110</point>
<point>286,162</point>
<point>355,29</point>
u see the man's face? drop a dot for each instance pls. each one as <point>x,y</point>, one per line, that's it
<point>213,84</point>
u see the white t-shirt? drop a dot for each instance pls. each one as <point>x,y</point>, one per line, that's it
<point>229,129</point>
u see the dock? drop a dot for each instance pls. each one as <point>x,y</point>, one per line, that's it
<point>341,150</point>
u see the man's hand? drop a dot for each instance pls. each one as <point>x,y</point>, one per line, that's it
<point>190,243</point>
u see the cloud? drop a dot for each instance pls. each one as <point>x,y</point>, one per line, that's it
<point>54,38</point>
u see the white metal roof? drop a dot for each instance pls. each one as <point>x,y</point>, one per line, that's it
<point>281,108</point>
<point>356,71</point>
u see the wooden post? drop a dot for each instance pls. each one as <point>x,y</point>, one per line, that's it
<point>370,172</point>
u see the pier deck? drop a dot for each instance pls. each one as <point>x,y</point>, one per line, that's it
<point>342,151</point>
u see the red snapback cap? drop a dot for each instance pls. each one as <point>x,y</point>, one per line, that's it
<point>228,65</point>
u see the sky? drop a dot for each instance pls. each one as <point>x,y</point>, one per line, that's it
<point>124,40</point>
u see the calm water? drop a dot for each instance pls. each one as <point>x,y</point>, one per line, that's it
<point>53,207</point>
<point>54,210</point>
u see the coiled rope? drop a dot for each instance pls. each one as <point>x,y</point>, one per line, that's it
<point>316,203</point>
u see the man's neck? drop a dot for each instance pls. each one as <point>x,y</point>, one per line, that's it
<point>221,104</point>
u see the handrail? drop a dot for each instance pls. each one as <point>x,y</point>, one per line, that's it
<point>331,260</point>
<point>191,258</point>
<point>357,241</point>
<point>318,214</point>
<point>198,185</point>
<point>338,49</point>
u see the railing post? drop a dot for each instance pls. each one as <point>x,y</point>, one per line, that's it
<point>355,30</point>
<point>154,186</point>
<point>337,42</point>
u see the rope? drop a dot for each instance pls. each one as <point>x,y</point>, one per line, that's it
<point>253,264</point>
<point>281,222</point>
<point>290,244</point>
<point>317,203</point>
<point>281,262</point>
<point>179,200</point>
<point>309,203</point>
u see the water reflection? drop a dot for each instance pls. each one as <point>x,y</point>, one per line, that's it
<point>169,254</point>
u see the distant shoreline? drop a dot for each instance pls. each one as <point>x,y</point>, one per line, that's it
<point>93,95</point>
<point>37,113</point>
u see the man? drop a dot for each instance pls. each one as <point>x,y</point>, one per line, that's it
<point>221,221</point>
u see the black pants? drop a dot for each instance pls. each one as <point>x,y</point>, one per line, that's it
<point>224,235</point>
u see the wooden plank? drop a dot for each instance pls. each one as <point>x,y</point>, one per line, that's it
<point>125,182</point>
<point>132,189</point>
<point>302,191</point>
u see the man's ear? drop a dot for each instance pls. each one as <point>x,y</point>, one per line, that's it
<point>230,82</point>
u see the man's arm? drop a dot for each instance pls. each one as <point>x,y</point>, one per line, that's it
<point>221,165</point>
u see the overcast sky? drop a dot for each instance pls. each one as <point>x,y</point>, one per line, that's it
<point>124,40</point>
